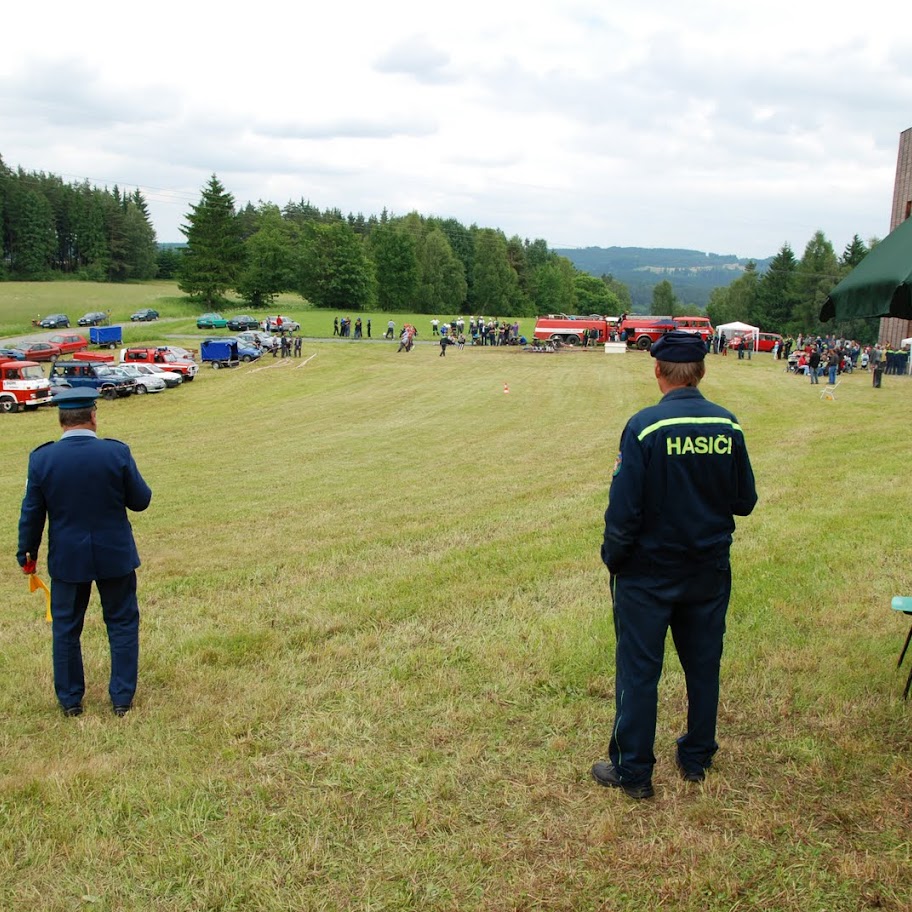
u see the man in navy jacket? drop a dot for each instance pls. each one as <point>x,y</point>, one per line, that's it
<point>681,476</point>
<point>82,486</point>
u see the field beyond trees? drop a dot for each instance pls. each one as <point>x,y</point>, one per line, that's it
<point>377,650</point>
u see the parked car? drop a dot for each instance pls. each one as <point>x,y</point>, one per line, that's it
<point>271,324</point>
<point>171,378</point>
<point>144,315</point>
<point>242,322</point>
<point>251,338</point>
<point>211,321</point>
<point>161,356</point>
<point>38,351</point>
<point>54,321</point>
<point>765,341</point>
<point>69,342</point>
<point>12,354</point>
<point>96,376</point>
<point>93,318</point>
<point>143,382</point>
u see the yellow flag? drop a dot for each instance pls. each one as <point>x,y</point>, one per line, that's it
<point>36,583</point>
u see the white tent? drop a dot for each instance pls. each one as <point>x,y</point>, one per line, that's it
<point>738,329</point>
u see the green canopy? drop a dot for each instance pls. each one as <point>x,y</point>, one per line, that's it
<point>879,286</point>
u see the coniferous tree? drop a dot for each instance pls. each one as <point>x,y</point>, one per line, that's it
<point>211,262</point>
<point>776,298</point>
<point>140,248</point>
<point>816,276</point>
<point>32,239</point>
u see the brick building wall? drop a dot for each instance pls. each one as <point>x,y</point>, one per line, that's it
<point>891,329</point>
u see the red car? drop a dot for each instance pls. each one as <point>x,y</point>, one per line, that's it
<point>39,351</point>
<point>766,342</point>
<point>69,342</point>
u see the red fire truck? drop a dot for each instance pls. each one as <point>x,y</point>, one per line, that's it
<point>642,331</point>
<point>639,331</point>
<point>571,330</point>
<point>22,385</point>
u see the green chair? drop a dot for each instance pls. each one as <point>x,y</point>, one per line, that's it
<point>903,603</point>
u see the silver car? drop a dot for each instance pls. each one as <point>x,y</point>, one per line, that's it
<point>145,383</point>
<point>171,378</point>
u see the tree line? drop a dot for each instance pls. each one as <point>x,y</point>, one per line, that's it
<point>351,263</point>
<point>49,227</point>
<point>386,263</point>
<point>788,296</point>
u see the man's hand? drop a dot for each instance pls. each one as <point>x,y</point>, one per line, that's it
<point>29,567</point>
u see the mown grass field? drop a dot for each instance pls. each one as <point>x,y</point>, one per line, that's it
<point>377,652</point>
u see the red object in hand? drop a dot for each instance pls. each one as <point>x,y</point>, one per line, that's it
<point>29,567</point>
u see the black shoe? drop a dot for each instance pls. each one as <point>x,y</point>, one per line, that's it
<point>686,774</point>
<point>605,774</point>
<point>74,710</point>
<point>122,710</point>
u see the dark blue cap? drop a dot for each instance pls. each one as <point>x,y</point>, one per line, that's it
<point>75,398</point>
<point>678,346</point>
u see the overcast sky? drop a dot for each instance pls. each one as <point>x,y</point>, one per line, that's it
<point>706,125</point>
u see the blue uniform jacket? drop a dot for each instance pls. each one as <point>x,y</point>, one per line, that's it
<point>681,475</point>
<point>83,486</point>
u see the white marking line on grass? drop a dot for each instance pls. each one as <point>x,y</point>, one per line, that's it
<point>304,363</point>
<point>270,366</point>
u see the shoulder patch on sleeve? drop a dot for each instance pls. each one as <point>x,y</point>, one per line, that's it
<point>617,465</point>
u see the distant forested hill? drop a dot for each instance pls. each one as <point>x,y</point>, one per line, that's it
<point>692,273</point>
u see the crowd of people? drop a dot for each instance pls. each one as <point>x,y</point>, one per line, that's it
<point>481,331</point>
<point>815,356</point>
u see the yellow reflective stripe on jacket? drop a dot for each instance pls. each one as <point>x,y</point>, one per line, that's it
<point>669,422</point>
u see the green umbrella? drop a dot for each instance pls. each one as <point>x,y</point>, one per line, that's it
<point>879,286</point>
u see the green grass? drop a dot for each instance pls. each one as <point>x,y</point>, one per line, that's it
<point>22,302</point>
<point>377,654</point>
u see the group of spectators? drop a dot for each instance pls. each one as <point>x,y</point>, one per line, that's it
<point>816,355</point>
<point>342,327</point>
<point>481,331</point>
<point>288,346</point>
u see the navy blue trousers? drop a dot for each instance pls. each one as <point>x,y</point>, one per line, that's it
<point>120,611</point>
<point>694,607</point>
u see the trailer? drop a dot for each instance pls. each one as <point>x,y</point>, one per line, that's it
<point>219,353</point>
<point>106,336</point>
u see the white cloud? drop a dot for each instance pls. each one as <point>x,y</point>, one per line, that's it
<point>705,125</point>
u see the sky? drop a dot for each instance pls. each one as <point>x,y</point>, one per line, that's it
<point>712,126</point>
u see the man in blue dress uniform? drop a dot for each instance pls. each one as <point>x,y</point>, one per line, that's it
<point>83,485</point>
<point>681,475</point>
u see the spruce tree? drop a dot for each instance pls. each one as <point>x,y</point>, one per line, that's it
<point>214,254</point>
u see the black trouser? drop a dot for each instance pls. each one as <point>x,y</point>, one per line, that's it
<point>694,606</point>
<point>121,616</point>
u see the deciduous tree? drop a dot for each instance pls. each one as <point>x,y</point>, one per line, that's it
<point>335,270</point>
<point>442,284</point>
<point>664,301</point>
<point>395,255</point>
